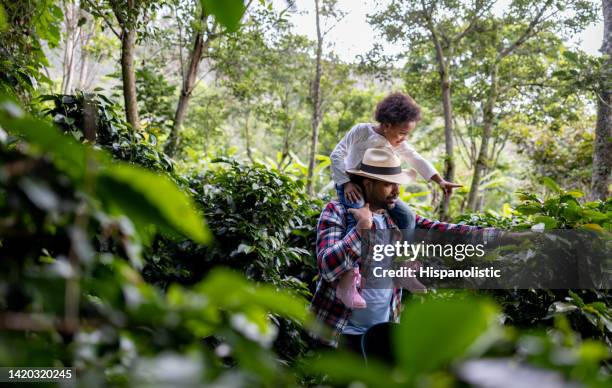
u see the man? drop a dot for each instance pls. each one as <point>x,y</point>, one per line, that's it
<point>339,249</point>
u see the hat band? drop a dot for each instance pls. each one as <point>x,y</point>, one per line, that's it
<point>380,170</point>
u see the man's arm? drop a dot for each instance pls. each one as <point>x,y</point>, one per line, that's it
<point>476,234</point>
<point>336,249</point>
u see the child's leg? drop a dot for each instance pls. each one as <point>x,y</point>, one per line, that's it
<point>351,222</point>
<point>346,290</point>
<point>405,219</point>
<point>403,215</point>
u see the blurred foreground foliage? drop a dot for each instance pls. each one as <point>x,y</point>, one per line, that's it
<point>108,266</point>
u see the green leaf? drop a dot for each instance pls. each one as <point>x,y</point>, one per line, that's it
<point>3,24</point>
<point>152,198</point>
<point>437,332</point>
<point>230,291</point>
<point>549,222</point>
<point>227,12</point>
<point>551,184</point>
<point>576,193</point>
<point>528,209</point>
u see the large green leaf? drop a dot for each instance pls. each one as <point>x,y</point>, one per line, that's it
<point>551,184</point>
<point>437,332</point>
<point>227,12</point>
<point>231,291</point>
<point>148,197</point>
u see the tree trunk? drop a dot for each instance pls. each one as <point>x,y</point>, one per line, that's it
<point>128,42</point>
<point>189,80</point>
<point>449,163</point>
<point>71,14</point>
<point>316,105</point>
<point>443,63</point>
<point>482,160</point>
<point>247,136</point>
<point>602,149</point>
<point>89,118</point>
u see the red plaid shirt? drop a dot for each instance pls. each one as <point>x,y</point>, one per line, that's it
<point>338,249</point>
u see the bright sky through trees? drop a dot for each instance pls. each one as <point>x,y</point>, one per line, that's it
<point>353,35</point>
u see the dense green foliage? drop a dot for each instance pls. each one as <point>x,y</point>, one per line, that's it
<point>139,269</point>
<point>263,226</point>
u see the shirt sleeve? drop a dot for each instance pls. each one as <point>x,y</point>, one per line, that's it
<point>477,234</point>
<point>336,251</point>
<point>341,151</point>
<point>410,155</point>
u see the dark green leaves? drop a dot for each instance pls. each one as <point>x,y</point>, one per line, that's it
<point>227,12</point>
<point>148,197</point>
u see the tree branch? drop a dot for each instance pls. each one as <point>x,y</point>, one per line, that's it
<point>103,17</point>
<point>472,23</point>
<point>526,34</point>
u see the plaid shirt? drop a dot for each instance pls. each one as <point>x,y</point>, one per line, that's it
<point>337,251</point>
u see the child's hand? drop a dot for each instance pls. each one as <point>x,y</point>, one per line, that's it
<point>363,216</point>
<point>448,187</point>
<point>352,192</point>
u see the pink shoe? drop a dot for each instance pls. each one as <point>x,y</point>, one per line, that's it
<point>347,292</point>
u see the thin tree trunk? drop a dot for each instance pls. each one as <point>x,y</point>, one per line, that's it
<point>247,136</point>
<point>443,63</point>
<point>70,21</point>
<point>482,160</point>
<point>602,149</point>
<point>316,105</point>
<point>128,73</point>
<point>449,163</point>
<point>189,79</point>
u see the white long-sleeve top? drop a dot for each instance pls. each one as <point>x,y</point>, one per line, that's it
<point>349,152</point>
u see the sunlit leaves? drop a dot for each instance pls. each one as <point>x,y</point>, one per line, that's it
<point>226,12</point>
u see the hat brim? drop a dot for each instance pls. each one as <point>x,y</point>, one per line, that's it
<point>405,177</point>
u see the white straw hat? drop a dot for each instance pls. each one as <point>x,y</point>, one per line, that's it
<point>382,164</point>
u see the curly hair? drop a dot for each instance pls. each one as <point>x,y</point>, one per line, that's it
<point>397,108</point>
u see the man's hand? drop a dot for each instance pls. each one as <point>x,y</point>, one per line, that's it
<point>363,216</point>
<point>352,192</point>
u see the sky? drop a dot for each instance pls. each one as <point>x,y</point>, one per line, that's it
<point>353,35</point>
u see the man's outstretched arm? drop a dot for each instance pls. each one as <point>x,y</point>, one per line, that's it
<point>474,233</point>
<point>337,249</point>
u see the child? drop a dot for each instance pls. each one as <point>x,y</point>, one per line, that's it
<point>397,115</point>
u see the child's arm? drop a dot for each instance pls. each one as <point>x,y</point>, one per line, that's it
<point>424,167</point>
